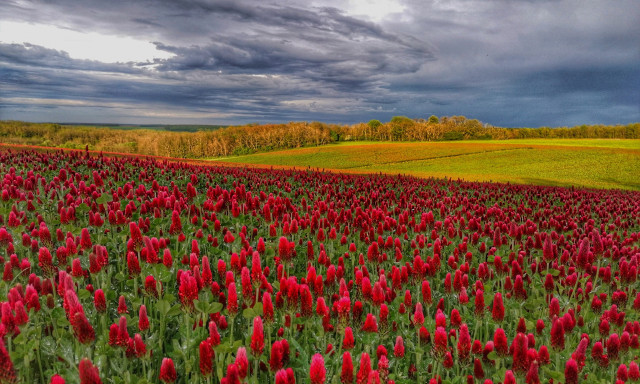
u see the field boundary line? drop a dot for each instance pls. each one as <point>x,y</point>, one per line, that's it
<point>439,157</point>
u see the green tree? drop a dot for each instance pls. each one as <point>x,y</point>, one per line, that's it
<point>335,135</point>
<point>401,120</point>
<point>374,126</point>
<point>433,119</point>
<point>399,127</point>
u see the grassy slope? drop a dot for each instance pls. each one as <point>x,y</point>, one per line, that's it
<point>596,163</point>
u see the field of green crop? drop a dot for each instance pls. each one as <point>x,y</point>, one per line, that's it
<point>596,163</point>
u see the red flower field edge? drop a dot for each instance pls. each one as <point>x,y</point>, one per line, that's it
<point>132,270</point>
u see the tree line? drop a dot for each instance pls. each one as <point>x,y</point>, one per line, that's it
<point>252,138</point>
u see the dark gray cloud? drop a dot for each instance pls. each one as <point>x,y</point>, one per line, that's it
<point>510,63</point>
<point>30,55</point>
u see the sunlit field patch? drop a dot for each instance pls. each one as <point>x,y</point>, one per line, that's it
<point>584,163</point>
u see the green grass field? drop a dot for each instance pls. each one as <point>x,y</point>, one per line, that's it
<point>595,163</point>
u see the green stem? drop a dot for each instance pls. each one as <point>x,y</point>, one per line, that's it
<point>255,369</point>
<point>436,368</point>
<point>485,331</point>
<point>53,288</point>
<point>188,342</point>
<point>5,289</point>
<point>595,282</point>
<point>575,287</point>
<point>269,335</point>
<point>76,345</point>
<point>231,330</point>
<point>103,323</point>
<point>161,340</point>
<point>127,377</point>
<point>27,363</point>
<point>42,378</point>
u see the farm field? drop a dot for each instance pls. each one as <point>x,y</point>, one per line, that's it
<point>131,270</point>
<point>594,163</point>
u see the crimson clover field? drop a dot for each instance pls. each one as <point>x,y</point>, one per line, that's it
<point>134,270</point>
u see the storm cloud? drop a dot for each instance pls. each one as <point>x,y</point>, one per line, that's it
<point>507,63</point>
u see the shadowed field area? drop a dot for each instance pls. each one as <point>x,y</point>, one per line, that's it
<point>596,163</point>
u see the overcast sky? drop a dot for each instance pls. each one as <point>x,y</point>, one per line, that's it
<point>505,62</point>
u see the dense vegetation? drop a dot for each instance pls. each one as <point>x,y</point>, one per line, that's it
<point>124,270</point>
<point>155,127</point>
<point>239,140</point>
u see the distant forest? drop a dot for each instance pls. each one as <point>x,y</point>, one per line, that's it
<point>216,141</point>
